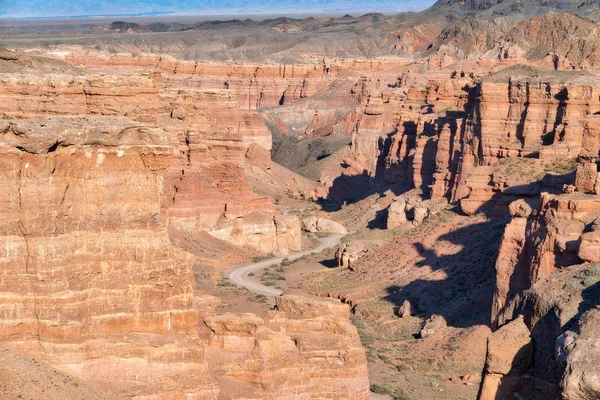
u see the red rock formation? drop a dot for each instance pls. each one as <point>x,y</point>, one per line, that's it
<point>426,148</point>
<point>536,246</point>
<point>452,135</point>
<point>579,351</point>
<point>511,281</point>
<point>545,348</point>
<point>192,203</point>
<point>205,188</point>
<point>256,85</point>
<point>306,348</point>
<point>509,359</point>
<point>91,282</point>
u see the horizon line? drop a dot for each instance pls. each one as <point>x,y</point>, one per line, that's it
<point>354,13</point>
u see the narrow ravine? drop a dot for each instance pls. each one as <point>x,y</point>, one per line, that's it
<point>240,276</point>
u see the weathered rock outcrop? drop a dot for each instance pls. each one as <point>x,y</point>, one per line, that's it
<point>537,245</point>
<point>316,224</point>
<point>508,363</point>
<point>255,85</point>
<point>405,209</point>
<point>524,117</point>
<point>91,283</point>
<point>205,187</point>
<point>545,351</point>
<point>305,348</point>
<point>478,139</point>
<point>538,279</point>
<point>578,350</point>
<point>457,138</point>
<point>205,184</point>
<point>346,255</point>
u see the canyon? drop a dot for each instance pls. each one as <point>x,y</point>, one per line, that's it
<point>454,151</point>
<point>99,171</point>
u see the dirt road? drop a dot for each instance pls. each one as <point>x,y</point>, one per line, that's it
<point>241,276</point>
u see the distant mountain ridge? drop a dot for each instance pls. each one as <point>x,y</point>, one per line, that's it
<point>59,8</point>
<point>498,8</point>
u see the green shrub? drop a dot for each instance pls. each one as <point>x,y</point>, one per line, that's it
<point>396,393</point>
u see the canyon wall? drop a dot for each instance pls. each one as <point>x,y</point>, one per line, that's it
<point>255,85</point>
<point>90,281</point>
<point>487,142</point>
<point>547,278</point>
<point>211,138</point>
<point>98,169</point>
<point>305,348</point>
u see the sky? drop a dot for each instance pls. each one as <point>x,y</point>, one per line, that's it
<point>87,8</point>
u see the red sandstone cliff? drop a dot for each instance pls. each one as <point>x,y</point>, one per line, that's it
<point>201,122</point>
<point>96,169</point>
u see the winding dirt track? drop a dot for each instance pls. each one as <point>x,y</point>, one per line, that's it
<point>240,276</point>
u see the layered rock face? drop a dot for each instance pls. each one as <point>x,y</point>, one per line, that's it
<point>254,85</point>
<point>205,185</point>
<point>485,143</point>
<point>210,152</point>
<point>538,279</point>
<point>91,282</point>
<point>428,112</point>
<point>457,138</point>
<point>304,349</point>
<point>561,233</point>
<point>444,136</point>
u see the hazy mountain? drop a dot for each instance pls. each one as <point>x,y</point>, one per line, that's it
<point>60,8</point>
<point>517,8</point>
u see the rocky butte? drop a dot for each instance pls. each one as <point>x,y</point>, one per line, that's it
<point>456,150</point>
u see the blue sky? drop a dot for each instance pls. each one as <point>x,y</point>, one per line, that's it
<point>69,8</point>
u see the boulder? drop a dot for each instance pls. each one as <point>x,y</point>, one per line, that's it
<point>589,248</point>
<point>420,215</point>
<point>314,224</point>
<point>520,209</point>
<point>509,357</point>
<point>580,355</point>
<point>432,324</point>
<point>405,309</point>
<point>346,255</point>
<point>509,348</point>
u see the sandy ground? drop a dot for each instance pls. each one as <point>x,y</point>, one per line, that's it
<point>22,377</point>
